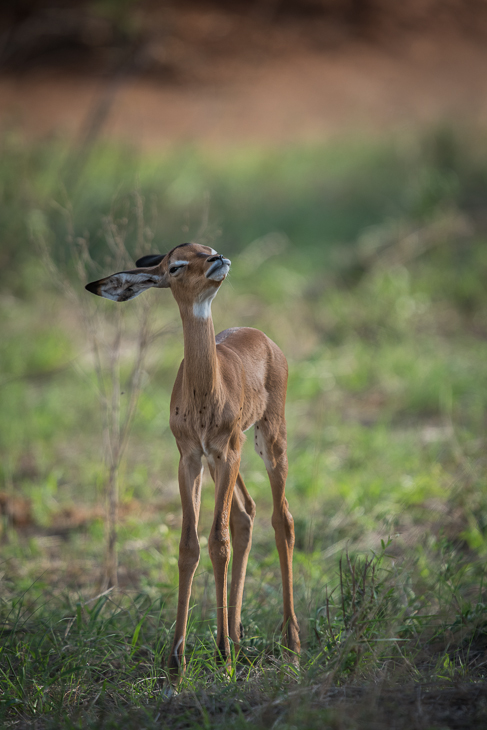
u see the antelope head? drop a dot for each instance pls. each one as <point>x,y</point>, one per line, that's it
<point>193,272</point>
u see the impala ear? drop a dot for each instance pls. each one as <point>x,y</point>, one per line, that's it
<point>153,259</point>
<point>128,284</point>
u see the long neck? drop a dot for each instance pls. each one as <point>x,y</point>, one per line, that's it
<point>201,373</point>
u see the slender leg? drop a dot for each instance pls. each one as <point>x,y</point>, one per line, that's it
<point>190,472</point>
<point>275,458</point>
<point>226,472</point>
<point>241,523</point>
<point>242,517</point>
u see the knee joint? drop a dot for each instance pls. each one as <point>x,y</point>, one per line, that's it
<point>189,554</point>
<point>243,529</point>
<point>219,549</point>
<point>284,521</point>
<point>251,510</point>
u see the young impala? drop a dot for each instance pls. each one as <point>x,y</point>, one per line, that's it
<point>224,386</point>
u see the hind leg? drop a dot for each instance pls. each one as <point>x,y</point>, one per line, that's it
<point>241,523</point>
<point>272,447</point>
<point>219,544</point>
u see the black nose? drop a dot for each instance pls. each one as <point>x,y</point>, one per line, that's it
<point>218,257</point>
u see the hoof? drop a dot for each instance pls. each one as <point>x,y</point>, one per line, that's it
<point>222,653</point>
<point>291,639</point>
<point>176,667</point>
<point>168,691</point>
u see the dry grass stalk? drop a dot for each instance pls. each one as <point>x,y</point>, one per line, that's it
<point>107,351</point>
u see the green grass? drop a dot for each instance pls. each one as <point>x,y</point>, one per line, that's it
<point>367,264</point>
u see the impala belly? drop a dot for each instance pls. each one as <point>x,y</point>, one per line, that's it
<point>260,448</point>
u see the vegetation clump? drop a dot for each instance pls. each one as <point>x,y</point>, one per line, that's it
<point>367,264</point>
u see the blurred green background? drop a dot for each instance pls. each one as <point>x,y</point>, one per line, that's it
<point>366,261</point>
<point>360,248</point>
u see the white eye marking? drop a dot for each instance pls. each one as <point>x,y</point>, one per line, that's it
<point>212,250</point>
<point>202,306</point>
<point>176,266</point>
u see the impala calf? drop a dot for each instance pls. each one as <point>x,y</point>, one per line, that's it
<point>224,386</point>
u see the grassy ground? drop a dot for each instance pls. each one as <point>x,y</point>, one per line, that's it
<point>367,264</point>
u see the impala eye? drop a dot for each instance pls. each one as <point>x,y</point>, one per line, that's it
<point>174,269</point>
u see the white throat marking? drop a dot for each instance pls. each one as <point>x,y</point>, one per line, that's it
<point>202,306</point>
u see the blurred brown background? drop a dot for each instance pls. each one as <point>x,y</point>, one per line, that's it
<point>264,71</point>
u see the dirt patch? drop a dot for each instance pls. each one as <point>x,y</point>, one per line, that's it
<point>222,76</point>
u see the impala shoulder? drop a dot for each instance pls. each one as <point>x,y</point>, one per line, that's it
<point>242,337</point>
<point>230,332</point>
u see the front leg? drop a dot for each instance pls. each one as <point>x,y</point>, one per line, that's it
<point>226,472</point>
<point>189,475</point>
